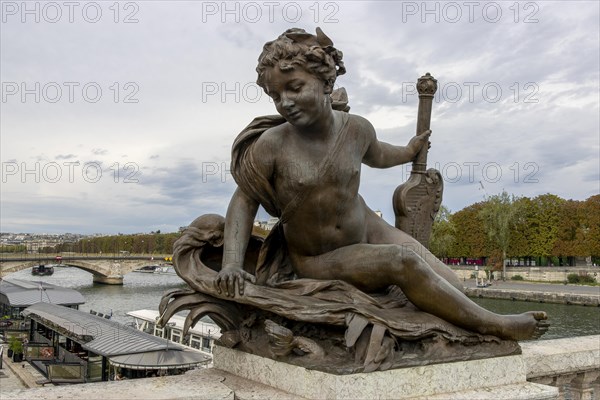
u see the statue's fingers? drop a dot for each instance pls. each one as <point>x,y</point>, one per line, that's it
<point>231,286</point>
<point>223,285</point>
<point>240,283</point>
<point>217,284</point>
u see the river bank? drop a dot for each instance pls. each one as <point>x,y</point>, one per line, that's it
<point>529,274</point>
<point>537,292</point>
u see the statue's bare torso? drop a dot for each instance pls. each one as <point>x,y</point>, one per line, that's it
<point>333,214</point>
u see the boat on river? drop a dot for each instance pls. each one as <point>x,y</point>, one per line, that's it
<point>157,269</point>
<point>201,336</point>
<point>166,269</point>
<point>148,269</point>
<point>42,270</point>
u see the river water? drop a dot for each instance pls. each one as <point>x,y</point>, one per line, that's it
<point>143,291</point>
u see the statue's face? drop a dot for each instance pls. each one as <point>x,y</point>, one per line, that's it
<point>299,96</point>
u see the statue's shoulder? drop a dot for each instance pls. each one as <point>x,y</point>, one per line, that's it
<point>270,141</point>
<point>360,121</point>
<point>274,135</point>
<point>361,127</point>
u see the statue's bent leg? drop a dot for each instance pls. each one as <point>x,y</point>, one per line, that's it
<point>373,267</point>
<point>380,232</point>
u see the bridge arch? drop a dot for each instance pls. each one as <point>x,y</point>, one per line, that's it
<point>105,270</point>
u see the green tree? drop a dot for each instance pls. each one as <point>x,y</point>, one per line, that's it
<point>469,238</point>
<point>588,232</point>
<point>442,233</point>
<point>544,224</point>
<point>569,222</point>
<point>520,235</point>
<point>500,213</point>
<point>18,248</point>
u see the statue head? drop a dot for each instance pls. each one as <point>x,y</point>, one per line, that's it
<point>297,48</point>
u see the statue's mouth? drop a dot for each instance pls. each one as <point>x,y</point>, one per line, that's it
<point>294,114</point>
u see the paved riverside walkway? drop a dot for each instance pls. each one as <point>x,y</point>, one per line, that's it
<point>8,380</point>
<point>531,291</point>
<point>16,376</point>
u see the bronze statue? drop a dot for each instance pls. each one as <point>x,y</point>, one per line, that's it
<point>333,286</point>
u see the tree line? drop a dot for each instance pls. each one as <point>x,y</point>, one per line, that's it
<point>19,248</point>
<point>546,229</point>
<point>151,243</point>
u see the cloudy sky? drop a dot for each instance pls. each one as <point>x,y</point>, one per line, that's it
<point>119,117</point>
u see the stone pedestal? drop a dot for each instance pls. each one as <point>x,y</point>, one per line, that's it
<point>493,378</point>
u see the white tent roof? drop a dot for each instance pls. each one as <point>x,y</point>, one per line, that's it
<point>165,359</point>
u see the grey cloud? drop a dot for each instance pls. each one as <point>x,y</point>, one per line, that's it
<point>172,130</point>
<point>188,181</point>
<point>592,176</point>
<point>65,156</point>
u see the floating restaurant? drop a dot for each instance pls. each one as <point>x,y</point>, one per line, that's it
<point>72,346</point>
<point>16,295</point>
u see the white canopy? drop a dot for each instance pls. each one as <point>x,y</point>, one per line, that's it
<point>161,359</point>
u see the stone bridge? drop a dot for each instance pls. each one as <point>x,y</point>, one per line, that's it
<point>105,269</point>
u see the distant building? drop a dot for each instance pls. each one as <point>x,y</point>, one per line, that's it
<point>271,223</point>
<point>267,225</point>
<point>38,242</point>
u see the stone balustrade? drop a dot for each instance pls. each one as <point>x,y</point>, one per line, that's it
<point>571,364</point>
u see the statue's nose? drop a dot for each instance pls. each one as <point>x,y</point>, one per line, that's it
<point>287,102</point>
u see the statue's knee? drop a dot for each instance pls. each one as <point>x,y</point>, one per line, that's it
<point>409,256</point>
<point>403,258</point>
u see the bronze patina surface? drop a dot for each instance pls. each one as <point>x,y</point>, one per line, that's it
<point>333,286</point>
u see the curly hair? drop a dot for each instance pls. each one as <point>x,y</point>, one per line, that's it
<point>295,46</point>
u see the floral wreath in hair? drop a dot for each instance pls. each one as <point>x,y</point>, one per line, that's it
<point>317,51</point>
<point>318,44</point>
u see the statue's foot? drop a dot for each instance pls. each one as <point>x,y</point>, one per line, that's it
<point>526,326</point>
